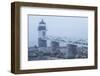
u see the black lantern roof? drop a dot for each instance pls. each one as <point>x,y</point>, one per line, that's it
<point>42,22</point>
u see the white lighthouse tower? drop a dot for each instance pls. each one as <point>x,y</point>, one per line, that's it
<point>42,42</point>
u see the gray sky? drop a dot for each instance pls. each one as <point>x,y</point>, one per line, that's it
<point>68,26</point>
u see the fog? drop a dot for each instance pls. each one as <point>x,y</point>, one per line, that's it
<point>59,26</point>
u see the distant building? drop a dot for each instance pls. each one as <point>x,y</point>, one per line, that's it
<point>55,44</point>
<point>72,50</point>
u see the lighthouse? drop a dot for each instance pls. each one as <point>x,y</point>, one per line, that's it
<point>42,42</point>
